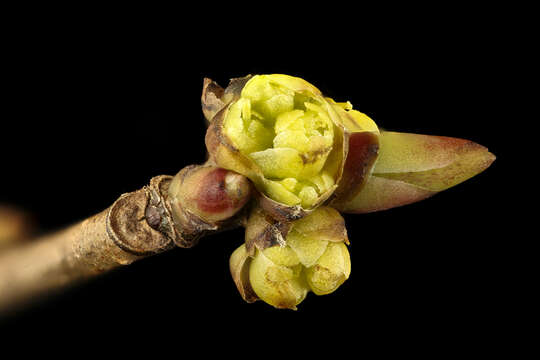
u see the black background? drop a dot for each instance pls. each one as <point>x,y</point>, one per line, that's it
<point>90,114</point>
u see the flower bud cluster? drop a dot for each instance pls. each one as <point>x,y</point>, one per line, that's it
<point>281,271</point>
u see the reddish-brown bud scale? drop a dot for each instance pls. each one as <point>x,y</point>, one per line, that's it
<point>213,197</point>
<point>211,194</point>
<point>363,151</point>
<point>221,191</point>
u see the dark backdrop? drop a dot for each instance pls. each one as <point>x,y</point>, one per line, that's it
<point>89,115</point>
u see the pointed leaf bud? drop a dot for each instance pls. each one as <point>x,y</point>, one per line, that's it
<point>412,167</point>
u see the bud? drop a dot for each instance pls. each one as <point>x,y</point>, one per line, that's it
<point>276,277</point>
<point>412,167</point>
<point>281,264</point>
<point>331,269</point>
<point>290,140</point>
<point>203,197</point>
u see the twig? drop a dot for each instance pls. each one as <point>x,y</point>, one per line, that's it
<point>136,225</point>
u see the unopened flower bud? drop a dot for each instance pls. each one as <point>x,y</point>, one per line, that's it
<point>277,279</point>
<point>202,197</point>
<point>312,257</point>
<point>330,270</point>
<point>212,193</point>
